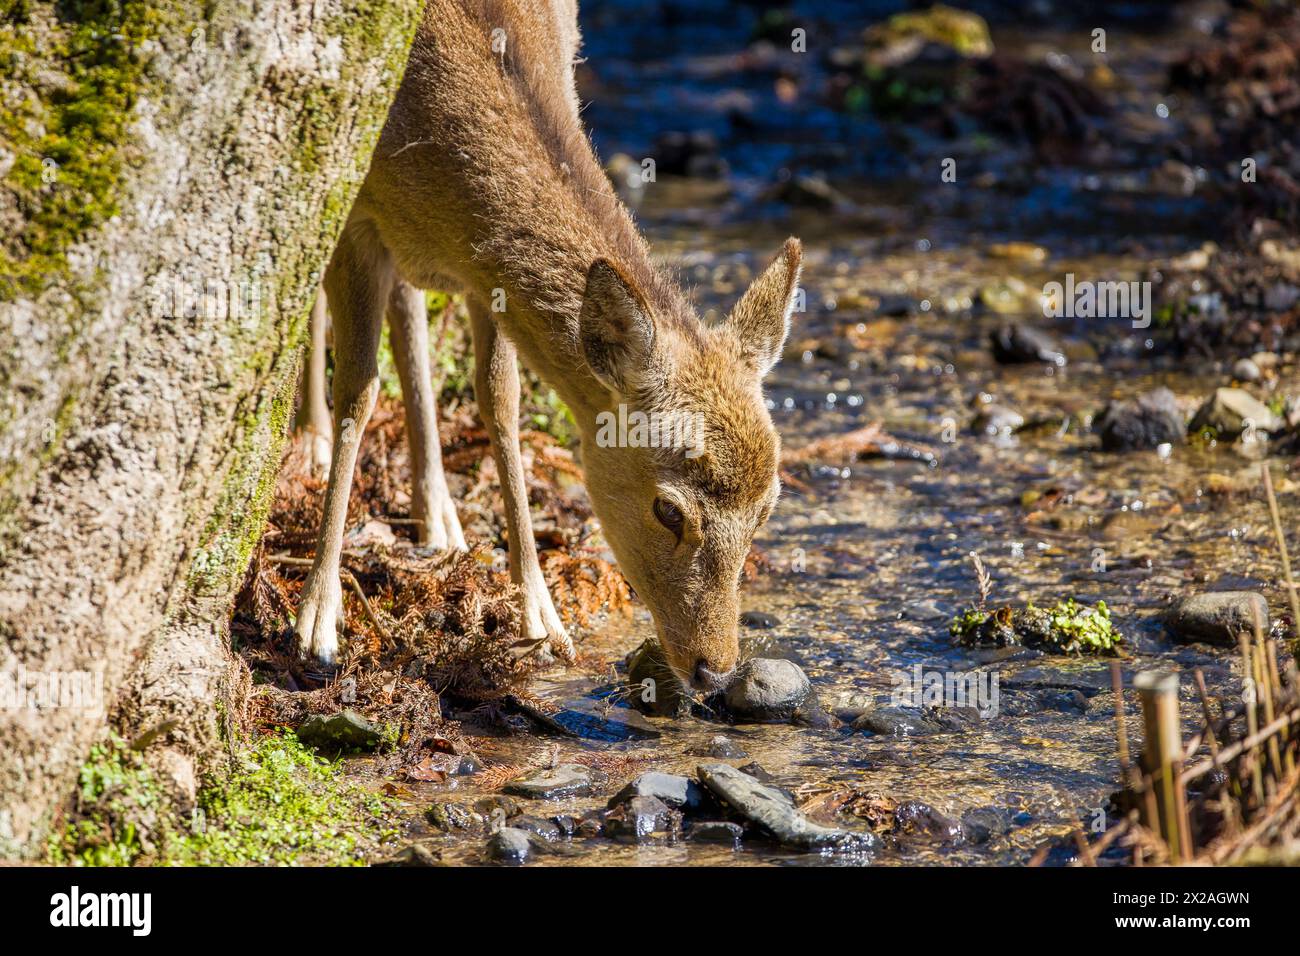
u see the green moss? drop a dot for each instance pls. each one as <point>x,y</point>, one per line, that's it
<point>1067,627</point>
<point>236,525</point>
<point>281,805</point>
<point>68,136</point>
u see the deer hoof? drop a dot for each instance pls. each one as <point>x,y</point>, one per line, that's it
<point>542,627</point>
<point>317,635</point>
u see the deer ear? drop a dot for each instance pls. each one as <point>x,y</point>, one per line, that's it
<point>761,319</point>
<point>615,329</point>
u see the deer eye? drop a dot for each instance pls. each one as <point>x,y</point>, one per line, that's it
<point>669,515</point>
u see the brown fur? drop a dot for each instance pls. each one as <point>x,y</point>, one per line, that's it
<point>484,181</point>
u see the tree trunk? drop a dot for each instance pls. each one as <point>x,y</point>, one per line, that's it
<point>175,177</point>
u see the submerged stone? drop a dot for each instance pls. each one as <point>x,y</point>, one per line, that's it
<point>717,831</point>
<point>773,812</point>
<point>1148,421</point>
<point>680,793</point>
<point>554,783</point>
<point>1217,617</point>
<point>642,820</point>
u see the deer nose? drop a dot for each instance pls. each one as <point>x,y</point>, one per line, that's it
<point>707,679</point>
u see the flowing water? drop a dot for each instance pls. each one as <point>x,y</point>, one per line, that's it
<point>871,559</point>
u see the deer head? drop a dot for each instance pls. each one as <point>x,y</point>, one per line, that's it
<point>682,461</point>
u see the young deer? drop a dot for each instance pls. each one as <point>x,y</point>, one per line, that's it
<point>484,181</point>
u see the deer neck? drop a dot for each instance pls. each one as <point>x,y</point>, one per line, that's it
<point>533,278</point>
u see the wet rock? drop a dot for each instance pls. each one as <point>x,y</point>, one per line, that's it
<point>1148,421</point>
<point>509,845</point>
<point>1015,343</point>
<point>497,807</point>
<point>762,776</point>
<point>642,820</point>
<point>773,812</point>
<point>997,421</point>
<point>653,688</point>
<point>692,154</point>
<point>621,724</point>
<point>417,854</point>
<point>554,783</point>
<point>680,793</point>
<point>768,690</point>
<point>1229,411</point>
<point>717,831</point>
<point>759,619</point>
<point>851,705</point>
<point>1022,703</point>
<point>344,731</point>
<point>469,765</point>
<point>982,824</point>
<point>896,722</point>
<point>548,830</point>
<point>450,817</point>
<point>920,819</point>
<point>722,748</point>
<point>1245,370</point>
<point>1217,617</point>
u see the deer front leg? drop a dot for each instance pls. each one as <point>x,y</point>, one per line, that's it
<point>312,424</point>
<point>357,285</point>
<point>496,388</point>
<point>431,502</point>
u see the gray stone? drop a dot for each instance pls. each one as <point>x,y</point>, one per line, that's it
<point>449,817</point>
<point>1148,421</point>
<point>758,619</point>
<point>509,845</point>
<point>653,689</point>
<point>566,780</point>
<point>895,722</point>
<point>497,806</point>
<point>642,820</point>
<point>722,748</point>
<point>1229,410</point>
<point>914,818</point>
<point>548,830</point>
<point>717,831</point>
<point>1245,370</point>
<point>1217,617</point>
<point>766,689</point>
<point>346,730</point>
<point>681,793</point>
<point>774,813</point>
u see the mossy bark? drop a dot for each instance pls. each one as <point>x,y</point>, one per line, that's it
<point>175,176</point>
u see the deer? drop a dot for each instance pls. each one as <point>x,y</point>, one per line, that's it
<point>484,182</point>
